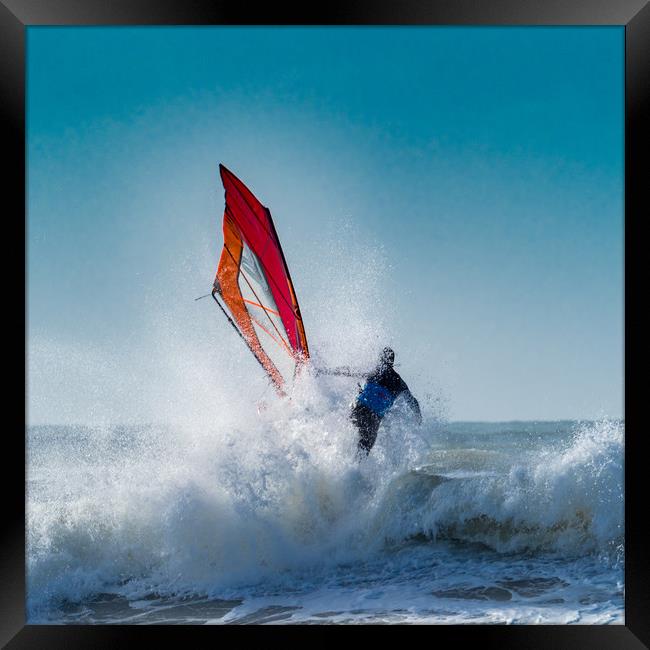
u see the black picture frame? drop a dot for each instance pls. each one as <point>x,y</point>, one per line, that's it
<point>16,15</point>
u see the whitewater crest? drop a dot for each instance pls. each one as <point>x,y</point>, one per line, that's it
<point>176,511</point>
<point>568,499</point>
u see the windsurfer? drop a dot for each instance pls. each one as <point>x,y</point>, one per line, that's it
<point>383,386</point>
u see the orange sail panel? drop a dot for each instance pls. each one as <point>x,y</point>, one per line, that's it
<point>253,282</point>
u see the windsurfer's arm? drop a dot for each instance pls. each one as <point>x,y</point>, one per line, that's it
<point>413,403</point>
<point>341,371</point>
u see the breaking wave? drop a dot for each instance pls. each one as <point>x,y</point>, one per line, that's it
<point>153,510</point>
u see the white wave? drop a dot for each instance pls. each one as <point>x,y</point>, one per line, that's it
<point>568,500</point>
<point>242,506</point>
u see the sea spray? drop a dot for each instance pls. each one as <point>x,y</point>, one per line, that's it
<point>238,494</point>
<point>250,506</point>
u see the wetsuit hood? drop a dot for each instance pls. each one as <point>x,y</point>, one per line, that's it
<point>387,357</point>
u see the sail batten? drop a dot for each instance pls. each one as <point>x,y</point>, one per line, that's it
<point>254,284</point>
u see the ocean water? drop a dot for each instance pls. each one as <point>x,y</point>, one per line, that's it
<point>268,518</point>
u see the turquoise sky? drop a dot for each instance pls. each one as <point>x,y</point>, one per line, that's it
<point>479,169</point>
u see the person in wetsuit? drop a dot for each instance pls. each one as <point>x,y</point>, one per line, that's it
<point>383,386</point>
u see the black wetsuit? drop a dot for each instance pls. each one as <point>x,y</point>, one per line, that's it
<point>381,389</point>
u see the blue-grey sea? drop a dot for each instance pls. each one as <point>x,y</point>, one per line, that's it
<point>274,521</point>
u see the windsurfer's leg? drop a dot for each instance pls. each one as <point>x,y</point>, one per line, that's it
<point>367,423</point>
<point>367,439</point>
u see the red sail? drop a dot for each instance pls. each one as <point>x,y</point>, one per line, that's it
<point>254,283</point>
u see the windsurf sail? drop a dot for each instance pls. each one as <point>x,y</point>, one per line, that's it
<point>253,286</point>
